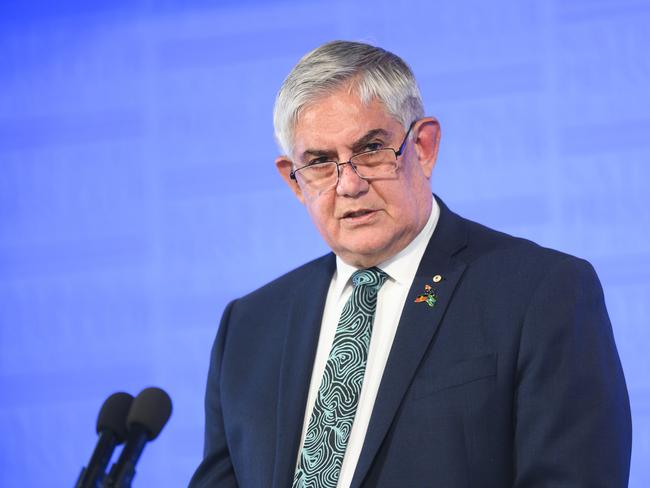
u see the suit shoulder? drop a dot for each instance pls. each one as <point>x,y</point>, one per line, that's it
<point>484,242</point>
<point>283,285</point>
<point>497,257</point>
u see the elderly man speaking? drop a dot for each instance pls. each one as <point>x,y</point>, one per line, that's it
<point>424,351</point>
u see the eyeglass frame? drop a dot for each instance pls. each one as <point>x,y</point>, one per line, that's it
<point>398,153</point>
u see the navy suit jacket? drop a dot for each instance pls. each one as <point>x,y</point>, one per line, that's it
<point>511,379</point>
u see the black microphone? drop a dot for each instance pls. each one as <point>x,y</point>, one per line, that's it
<point>148,415</point>
<point>111,427</point>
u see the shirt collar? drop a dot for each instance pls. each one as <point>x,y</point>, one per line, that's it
<point>402,267</point>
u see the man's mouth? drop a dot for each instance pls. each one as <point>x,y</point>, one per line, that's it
<point>357,213</point>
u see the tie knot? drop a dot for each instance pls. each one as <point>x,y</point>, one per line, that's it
<point>369,277</point>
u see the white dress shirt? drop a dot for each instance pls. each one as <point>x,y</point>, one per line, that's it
<point>401,270</point>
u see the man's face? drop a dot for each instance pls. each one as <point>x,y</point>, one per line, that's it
<point>364,222</point>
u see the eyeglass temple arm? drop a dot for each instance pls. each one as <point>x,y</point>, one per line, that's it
<point>406,136</point>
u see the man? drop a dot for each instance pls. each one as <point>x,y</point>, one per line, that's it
<point>427,350</point>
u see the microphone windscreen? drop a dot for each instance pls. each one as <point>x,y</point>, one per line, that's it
<point>113,415</point>
<point>150,409</point>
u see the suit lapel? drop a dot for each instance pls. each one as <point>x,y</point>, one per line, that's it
<point>304,321</point>
<point>416,329</point>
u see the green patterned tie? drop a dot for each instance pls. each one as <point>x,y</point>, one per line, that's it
<point>331,420</point>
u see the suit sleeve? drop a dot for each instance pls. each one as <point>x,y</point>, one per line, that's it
<point>216,470</point>
<point>572,416</point>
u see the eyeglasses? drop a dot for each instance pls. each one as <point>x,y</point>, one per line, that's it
<point>321,175</point>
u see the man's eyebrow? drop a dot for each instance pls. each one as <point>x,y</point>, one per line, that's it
<point>369,136</point>
<point>356,145</point>
<point>319,153</point>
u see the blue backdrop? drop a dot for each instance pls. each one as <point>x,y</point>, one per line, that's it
<point>138,192</point>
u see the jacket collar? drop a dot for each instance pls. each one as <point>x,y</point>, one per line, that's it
<point>304,317</point>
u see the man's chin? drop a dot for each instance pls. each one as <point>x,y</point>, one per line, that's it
<point>364,256</point>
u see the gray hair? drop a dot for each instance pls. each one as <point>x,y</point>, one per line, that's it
<point>373,72</point>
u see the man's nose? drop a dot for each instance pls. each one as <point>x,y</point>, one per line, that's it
<point>350,183</point>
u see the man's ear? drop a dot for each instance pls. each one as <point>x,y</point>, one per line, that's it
<point>285,166</point>
<point>427,141</point>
